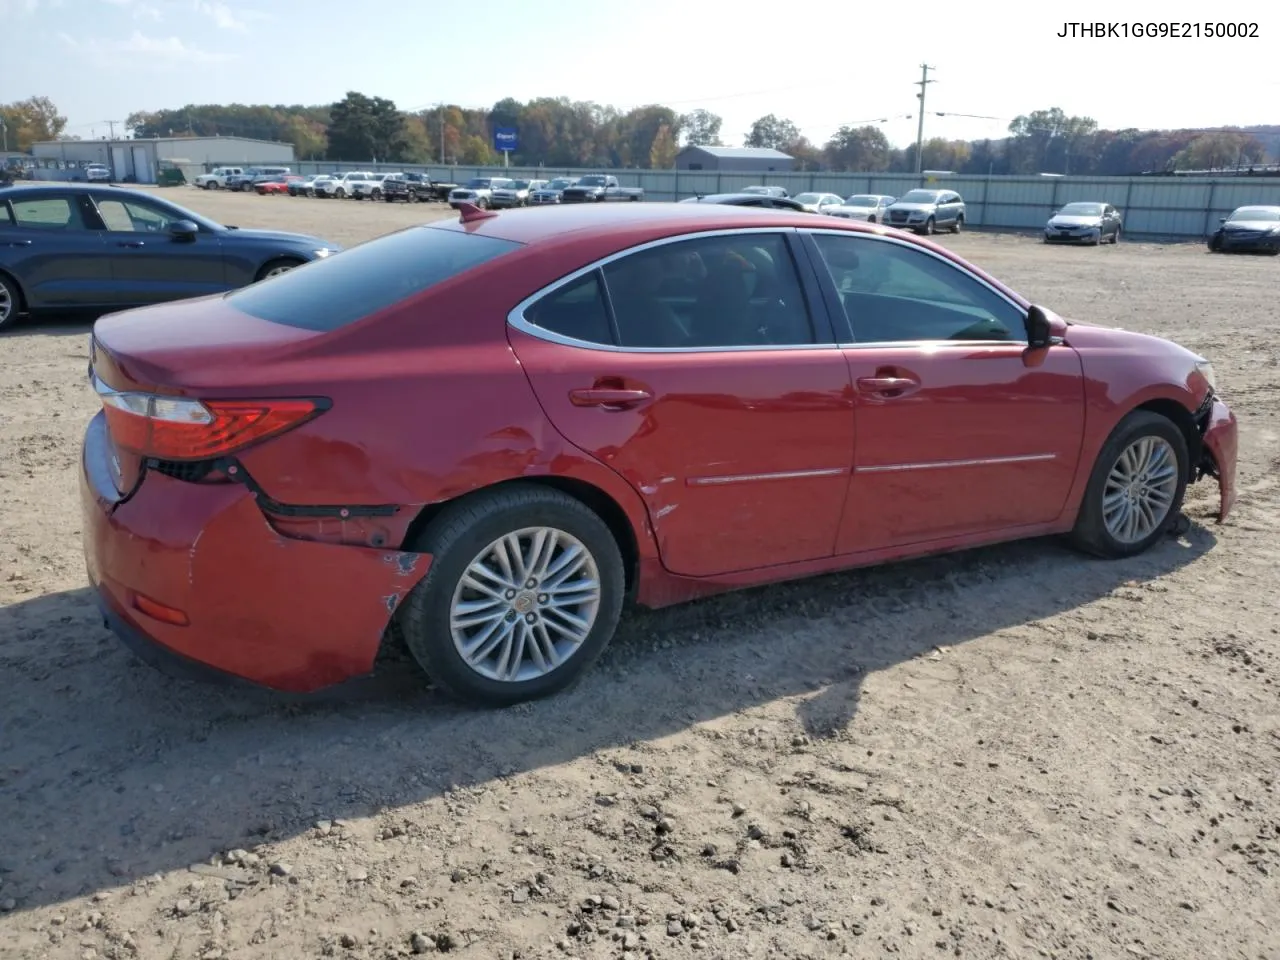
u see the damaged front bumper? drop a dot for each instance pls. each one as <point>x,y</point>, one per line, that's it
<point>1219,452</point>
<point>199,574</point>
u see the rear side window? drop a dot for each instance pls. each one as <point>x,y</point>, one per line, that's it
<point>349,286</point>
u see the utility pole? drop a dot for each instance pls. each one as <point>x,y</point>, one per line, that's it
<point>922,83</point>
<point>442,134</point>
<point>4,132</point>
<point>112,125</point>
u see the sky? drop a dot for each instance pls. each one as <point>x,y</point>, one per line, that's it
<point>822,63</point>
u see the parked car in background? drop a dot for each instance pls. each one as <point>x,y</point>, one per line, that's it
<point>370,189</point>
<point>305,187</point>
<point>764,200</point>
<point>85,247</point>
<point>1091,222</point>
<point>684,399</point>
<point>414,188</point>
<point>862,206</point>
<point>216,179</point>
<point>478,190</point>
<point>97,173</point>
<point>516,195</point>
<point>341,185</point>
<point>277,185</point>
<point>250,176</point>
<point>765,191</point>
<point>818,202</point>
<point>1249,230</point>
<point>599,188</point>
<point>925,211</point>
<point>550,192</point>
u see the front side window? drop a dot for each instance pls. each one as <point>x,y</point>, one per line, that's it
<point>893,293</point>
<point>131,216</point>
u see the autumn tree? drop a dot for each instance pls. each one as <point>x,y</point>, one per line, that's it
<point>1214,151</point>
<point>30,121</point>
<point>701,128</point>
<point>662,155</point>
<point>770,131</point>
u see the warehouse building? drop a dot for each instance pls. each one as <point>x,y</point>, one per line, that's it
<point>138,161</point>
<point>734,159</point>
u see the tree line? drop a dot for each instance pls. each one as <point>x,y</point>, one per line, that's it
<point>559,132</point>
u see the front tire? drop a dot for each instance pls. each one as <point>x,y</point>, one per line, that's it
<point>277,267</point>
<point>1135,491</point>
<point>929,227</point>
<point>959,225</point>
<point>523,594</point>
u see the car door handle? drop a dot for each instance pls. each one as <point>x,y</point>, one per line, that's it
<point>131,243</point>
<point>18,243</point>
<point>608,398</point>
<point>888,386</point>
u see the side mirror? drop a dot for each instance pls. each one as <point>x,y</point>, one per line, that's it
<point>183,230</point>
<point>1222,219</point>
<point>1038,331</point>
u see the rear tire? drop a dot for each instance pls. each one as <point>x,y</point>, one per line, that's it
<point>1141,450</point>
<point>459,540</point>
<point>10,302</point>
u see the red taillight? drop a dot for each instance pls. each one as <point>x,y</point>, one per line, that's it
<point>178,428</point>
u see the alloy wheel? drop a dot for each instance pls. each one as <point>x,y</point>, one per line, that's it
<point>1140,488</point>
<point>525,604</point>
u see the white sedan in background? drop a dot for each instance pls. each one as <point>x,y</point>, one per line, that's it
<point>818,202</point>
<point>863,206</point>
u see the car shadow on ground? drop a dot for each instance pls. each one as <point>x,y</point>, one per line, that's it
<point>110,772</point>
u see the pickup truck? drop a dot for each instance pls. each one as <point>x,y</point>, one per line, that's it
<point>414,188</point>
<point>341,185</point>
<point>478,190</point>
<point>598,188</point>
<point>216,178</point>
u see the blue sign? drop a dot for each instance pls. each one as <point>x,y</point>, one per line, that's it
<point>505,138</point>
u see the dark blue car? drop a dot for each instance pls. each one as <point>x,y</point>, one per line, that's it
<point>73,247</point>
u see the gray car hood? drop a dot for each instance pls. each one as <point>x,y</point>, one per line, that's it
<point>1252,225</point>
<point>915,207</point>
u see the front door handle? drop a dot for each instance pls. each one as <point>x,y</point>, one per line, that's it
<point>17,243</point>
<point>608,398</point>
<point>131,243</point>
<point>888,386</point>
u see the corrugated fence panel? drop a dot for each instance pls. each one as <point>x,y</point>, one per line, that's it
<point>1157,207</point>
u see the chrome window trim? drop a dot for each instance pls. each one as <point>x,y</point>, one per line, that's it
<point>898,241</point>
<point>516,318</point>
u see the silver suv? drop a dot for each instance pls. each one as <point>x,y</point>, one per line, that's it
<point>927,211</point>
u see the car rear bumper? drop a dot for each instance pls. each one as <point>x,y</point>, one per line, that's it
<point>1221,442</point>
<point>288,614</point>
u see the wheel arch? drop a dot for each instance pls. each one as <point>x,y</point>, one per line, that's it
<point>23,303</point>
<point>595,498</point>
<point>1183,419</point>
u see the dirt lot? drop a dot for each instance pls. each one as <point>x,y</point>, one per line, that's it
<point>1014,752</point>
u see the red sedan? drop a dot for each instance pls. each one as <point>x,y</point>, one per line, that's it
<point>279,185</point>
<point>494,429</point>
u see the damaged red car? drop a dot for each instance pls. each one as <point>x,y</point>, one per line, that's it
<point>491,432</point>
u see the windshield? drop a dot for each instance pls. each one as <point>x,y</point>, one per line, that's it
<point>520,185</point>
<point>1081,210</point>
<point>560,183</point>
<point>1270,214</point>
<point>759,190</point>
<point>591,182</point>
<point>919,196</point>
<point>808,197</point>
<point>862,200</point>
<point>479,183</point>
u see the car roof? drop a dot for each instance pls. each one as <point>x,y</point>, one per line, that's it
<point>627,220</point>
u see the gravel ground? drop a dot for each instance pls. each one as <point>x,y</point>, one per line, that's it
<point>1014,752</point>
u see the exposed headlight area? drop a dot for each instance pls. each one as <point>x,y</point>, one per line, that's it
<point>1205,369</point>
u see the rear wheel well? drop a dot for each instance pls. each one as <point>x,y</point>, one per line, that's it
<point>599,502</point>
<point>13,282</point>
<point>1181,417</point>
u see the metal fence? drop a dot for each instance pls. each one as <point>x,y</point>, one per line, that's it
<point>1156,207</point>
